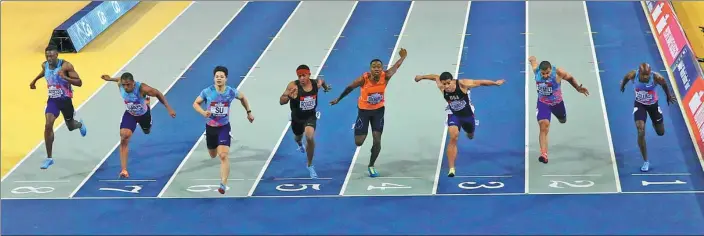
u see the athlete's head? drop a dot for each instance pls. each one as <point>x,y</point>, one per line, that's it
<point>127,81</point>
<point>446,80</point>
<point>303,73</point>
<point>52,55</point>
<point>220,75</point>
<point>644,72</point>
<point>376,66</point>
<point>545,69</point>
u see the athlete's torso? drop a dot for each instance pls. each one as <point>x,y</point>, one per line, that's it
<point>371,96</point>
<point>219,104</point>
<point>549,90</point>
<point>458,101</point>
<point>305,103</point>
<point>135,102</point>
<point>645,92</point>
<point>57,87</point>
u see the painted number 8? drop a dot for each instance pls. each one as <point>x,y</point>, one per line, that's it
<point>25,190</point>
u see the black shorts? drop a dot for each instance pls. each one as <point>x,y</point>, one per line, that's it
<point>366,117</point>
<point>217,136</point>
<point>298,125</point>
<point>640,112</point>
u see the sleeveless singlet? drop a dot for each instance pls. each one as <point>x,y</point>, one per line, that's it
<point>371,96</point>
<point>135,103</point>
<point>218,104</point>
<point>305,103</point>
<point>459,102</point>
<point>57,87</point>
<point>549,90</point>
<point>645,92</point>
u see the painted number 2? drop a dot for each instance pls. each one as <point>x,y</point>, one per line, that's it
<point>26,190</point>
<point>474,185</point>
<point>287,187</point>
<point>573,184</point>
<point>132,189</point>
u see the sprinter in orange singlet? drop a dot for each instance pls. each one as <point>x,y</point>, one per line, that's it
<point>371,104</point>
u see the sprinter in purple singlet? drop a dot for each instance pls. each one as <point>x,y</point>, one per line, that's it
<point>461,116</point>
<point>137,111</point>
<point>60,77</point>
<point>548,81</point>
<point>218,98</point>
<point>646,104</point>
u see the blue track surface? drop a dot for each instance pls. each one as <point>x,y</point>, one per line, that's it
<point>494,50</point>
<point>334,136</point>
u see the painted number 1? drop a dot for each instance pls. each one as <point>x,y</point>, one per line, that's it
<point>385,186</point>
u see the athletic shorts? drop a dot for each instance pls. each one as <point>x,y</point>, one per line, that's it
<point>62,105</point>
<point>367,117</point>
<point>298,125</point>
<point>466,123</point>
<point>545,111</point>
<point>217,136</point>
<point>641,111</point>
<point>130,121</point>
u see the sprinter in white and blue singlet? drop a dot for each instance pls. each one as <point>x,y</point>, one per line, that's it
<point>218,98</point>
<point>646,104</point>
<point>461,111</point>
<point>137,111</point>
<point>60,77</point>
<point>303,94</point>
<point>548,81</point>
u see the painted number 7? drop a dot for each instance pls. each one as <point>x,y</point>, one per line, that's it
<point>134,189</point>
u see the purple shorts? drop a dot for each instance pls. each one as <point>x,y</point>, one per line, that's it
<point>130,121</point>
<point>466,123</point>
<point>217,136</point>
<point>62,105</point>
<point>544,111</point>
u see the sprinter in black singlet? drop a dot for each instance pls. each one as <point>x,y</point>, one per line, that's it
<point>460,111</point>
<point>303,94</point>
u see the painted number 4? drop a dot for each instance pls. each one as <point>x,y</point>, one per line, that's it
<point>385,186</point>
<point>132,189</point>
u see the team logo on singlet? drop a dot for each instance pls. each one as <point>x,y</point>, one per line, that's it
<point>308,102</point>
<point>375,98</point>
<point>219,109</point>
<point>544,88</point>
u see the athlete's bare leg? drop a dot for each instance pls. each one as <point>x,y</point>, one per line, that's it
<point>376,147</point>
<point>223,152</point>
<point>454,133</point>
<point>49,133</point>
<point>543,139</point>
<point>125,135</point>
<point>310,143</point>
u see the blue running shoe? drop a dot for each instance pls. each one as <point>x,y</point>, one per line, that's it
<point>645,167</point>
<point>83,129</point>
<point>48,162</point>
<point>313,174</point>
<point>301,149</point>
<point>372,172</point>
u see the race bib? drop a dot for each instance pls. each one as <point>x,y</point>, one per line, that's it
<point>55,92</point>
<point>134,108</point>
<point>643,96</point>
<point>219,109</point>
<point>544,89</point>
<point>458,105</point>
<point>308,103</point>
<point>375,98</point>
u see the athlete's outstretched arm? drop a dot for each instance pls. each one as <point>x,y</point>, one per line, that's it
<point>359,81</point>
<point>148,90</point>
<point>533,62</point>
<point>432,77</point>
<point>286,96</point>
<point>245,104</point>
<point>391,71</point>
<point>69,73</point>
<point>628,77</point>
<point>473,83</point>
<point>321,84</point>
<point>33,84</point>
<point>663,83</point>
<point>567,76</point>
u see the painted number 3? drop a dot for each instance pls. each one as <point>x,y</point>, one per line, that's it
<point>474,185</point>
<point>25,190</point>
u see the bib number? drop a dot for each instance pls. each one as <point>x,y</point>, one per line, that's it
<point>544,90</point>
<point>458,105</point>
<point>375,98</point>
<point>219,110</point>
<point>307,103</point>
<point>134,108</point>
<point>643,96</point>
<point>55,92</point>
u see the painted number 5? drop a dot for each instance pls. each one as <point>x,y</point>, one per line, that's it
<point>474,185</point>
<point>286,187</point>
